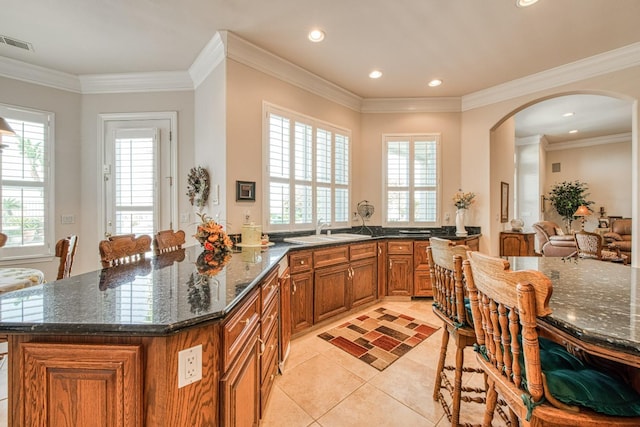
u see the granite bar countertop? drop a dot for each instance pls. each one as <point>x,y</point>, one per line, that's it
<point>157,296</point>
<point>595,301</point>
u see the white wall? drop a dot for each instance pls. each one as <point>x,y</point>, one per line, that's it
<point>528,184</point>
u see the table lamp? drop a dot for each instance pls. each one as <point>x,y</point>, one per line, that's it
<point>582,211</point>
<point>5,129</point>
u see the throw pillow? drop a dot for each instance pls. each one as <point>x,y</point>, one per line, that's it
<point>559,231</point>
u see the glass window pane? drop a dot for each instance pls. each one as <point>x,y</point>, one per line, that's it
<point>323,202</point>
<point>425,206</point>
<point>303,151</point>
<point>425,173</point>
<point>323,156</point>
<point>278,146</point>
<point>304,204</point>
<point>398,163</point>
<point>342,159</point>
<point>398,206</point>
<point>278,203</point>
<point>341,211</point>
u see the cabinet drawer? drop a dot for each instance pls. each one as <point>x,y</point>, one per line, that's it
<point>269,317</point>
<point>300,261</point>
<point>403,247</point>
<point>237,330</point>
<point>331,256</point>
<point>362,250</point>
<point>269,289</point>
<point>268,351</point>
<point>265,390</point>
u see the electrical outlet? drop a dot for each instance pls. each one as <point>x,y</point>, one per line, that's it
<point>189,365</point>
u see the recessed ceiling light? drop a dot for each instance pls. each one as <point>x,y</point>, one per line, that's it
<point>568,114</point>
<point>316,35</point>
<point>435,82</point>
<point>375,74</point>
<point>573,131</point>
<point>525,3</point>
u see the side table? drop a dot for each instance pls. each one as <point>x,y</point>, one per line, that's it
<point>517,243</point>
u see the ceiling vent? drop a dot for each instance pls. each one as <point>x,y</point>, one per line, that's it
<point>16,43</point>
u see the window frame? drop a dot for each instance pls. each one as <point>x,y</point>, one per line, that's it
<point>411,138</point>
<point>46,250</point>
<point>292,181</point>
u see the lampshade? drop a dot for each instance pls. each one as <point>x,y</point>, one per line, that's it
<point>5,129</point>
<point>582,211</point>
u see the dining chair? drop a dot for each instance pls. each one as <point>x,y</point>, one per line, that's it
<point>168,241</point>
<point>445,267</point>
<point>3,239</point>
<point>66,251</point>
<point>123,249</point>
<point>590,245</point>
<point>542,383</point>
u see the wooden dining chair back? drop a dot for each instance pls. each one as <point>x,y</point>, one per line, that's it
<point>445,267</point>
<point>123,249</point>
<point>590,245</point>
<point>66,251</point>
<point>505,305</point>
<point>168,241</point>
<point>3,239</point>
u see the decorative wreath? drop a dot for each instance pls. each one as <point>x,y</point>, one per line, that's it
<point>198,186</point>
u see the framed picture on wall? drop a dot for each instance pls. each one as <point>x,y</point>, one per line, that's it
<point>504,202</point>
<point>245,191</point>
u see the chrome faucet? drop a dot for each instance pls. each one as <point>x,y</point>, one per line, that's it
<point>321,224</point>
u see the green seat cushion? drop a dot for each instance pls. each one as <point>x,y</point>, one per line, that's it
<point>593,389</point>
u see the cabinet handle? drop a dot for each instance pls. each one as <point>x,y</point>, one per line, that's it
<point>246,321</point>
<point>261,347</point>
<point>379,250</point>
<point>390,262</point>
<point>293,282</point>
<point>272,377</point>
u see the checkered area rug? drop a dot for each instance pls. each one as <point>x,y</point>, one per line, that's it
<point>379,337</point>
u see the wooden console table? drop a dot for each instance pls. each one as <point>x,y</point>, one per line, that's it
<point>516,243</point>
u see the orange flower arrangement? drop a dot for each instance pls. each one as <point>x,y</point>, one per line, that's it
<point>217,246</point>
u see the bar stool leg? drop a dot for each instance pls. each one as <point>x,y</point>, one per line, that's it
<point>457,385</point>
<point>441,361</point>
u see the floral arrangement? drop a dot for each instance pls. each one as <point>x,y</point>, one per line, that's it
<point>463,200</point>
<point>212,237</point>
<point>198,186</point>
<point>199,293</point>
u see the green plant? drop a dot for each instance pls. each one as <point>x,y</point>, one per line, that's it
<point>566,197</point>
<point>31,223</point>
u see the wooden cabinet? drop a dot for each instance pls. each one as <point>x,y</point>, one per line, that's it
<point>421,274</point>
<point>270,320</point>
<point>285,315</point>
<point>400,268</point>
<point>301,301</point>
<point>517,244</point>
<point>364,283</point>
<point>331,291</point>
<point>472,242</point>
<point>240,387</point>
<point>80,384</point>
<point>382,269</point>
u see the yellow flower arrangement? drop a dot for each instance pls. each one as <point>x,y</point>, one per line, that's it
<point>463,200</point>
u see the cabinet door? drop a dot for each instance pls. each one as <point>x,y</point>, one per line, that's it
<point>364,283</point>
<point>382,269</point>
<point>400,275</point>
<point>80,384</point>
<point>241,387</point>
<point>285,314</point>
<point>331,291</point>
<point>421,275</point>
<point>301,301</point>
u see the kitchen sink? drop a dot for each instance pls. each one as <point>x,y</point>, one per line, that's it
<point>318,239</point>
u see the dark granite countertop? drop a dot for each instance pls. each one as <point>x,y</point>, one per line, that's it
<point>157,296</point>
<point>594,301</point>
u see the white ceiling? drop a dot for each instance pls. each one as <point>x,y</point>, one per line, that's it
<point>472,45</point>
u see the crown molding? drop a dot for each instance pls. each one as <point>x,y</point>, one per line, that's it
<point>160,81</point>
<point>260,59</point>
<point>411,105</point>
<point>529,140</point>
<point>22,71</point>
<point>589,142</point>
<point>212,55</point>
<point>614,60</point>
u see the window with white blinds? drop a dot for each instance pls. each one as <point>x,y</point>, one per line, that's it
<point>308,172</point>
<point>412,176</point>
<point>26,188</point>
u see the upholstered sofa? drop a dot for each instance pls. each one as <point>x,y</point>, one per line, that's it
<point>550,242</point>
<point>619,238</point>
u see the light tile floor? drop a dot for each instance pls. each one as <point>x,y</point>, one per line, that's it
<point>323,386</point>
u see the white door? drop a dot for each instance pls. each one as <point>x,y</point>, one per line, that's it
<point>137,172</point>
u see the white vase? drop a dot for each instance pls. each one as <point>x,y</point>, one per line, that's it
<point>460,230</point>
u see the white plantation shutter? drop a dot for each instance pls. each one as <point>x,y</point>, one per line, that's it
<point>308,169</point>
<point>135,181</point>
<point>25,192</point>
<point>412,170</point>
